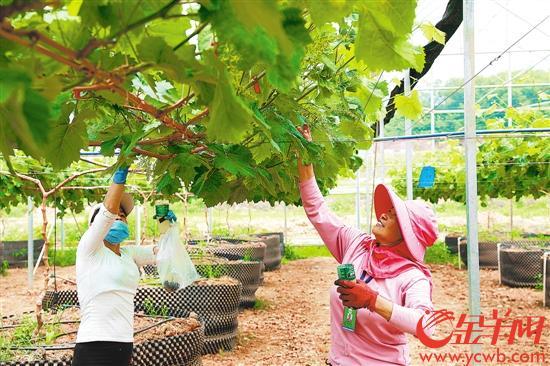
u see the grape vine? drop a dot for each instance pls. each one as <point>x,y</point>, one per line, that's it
<point>205,95</point>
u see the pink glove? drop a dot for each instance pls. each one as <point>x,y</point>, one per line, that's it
<point>356,294</point>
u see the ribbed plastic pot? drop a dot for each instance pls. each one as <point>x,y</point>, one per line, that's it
<point>520,262</point>
<point>248,273</point>
<point>272,251</point>
<point>179,350</point>
<point>15,252</point>
<point>451,241</point>
<point>238,250</point>
<point>216,304</point>
<point>488,256</point>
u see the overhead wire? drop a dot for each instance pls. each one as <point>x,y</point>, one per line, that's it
<point>495,59</point>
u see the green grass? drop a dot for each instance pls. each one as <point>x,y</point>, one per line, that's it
<point>294,252</point>
<point>436,254</point>
<point>261,304</point>
<point>4,268</point>
<point>63,258</point>
<point>440,254</point>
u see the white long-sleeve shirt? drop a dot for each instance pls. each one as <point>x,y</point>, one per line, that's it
<point>107,283</point>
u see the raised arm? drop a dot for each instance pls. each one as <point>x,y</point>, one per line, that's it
<point>107,213</point>
<point>114,194</point>
<point>337,236</point>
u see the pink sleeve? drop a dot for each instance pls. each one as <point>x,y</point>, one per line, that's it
<point>417,301</point>
<point>336,236</point>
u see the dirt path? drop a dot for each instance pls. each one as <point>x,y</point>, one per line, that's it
<point>294,329</point>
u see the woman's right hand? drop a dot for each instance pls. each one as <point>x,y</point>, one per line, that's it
<point>305,131</point>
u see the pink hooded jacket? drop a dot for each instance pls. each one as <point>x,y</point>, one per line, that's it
<point>375,341</point>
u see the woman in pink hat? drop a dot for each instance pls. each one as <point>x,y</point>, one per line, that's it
<point>394,286</point>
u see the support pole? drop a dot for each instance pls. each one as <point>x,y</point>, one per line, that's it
<point>370,190</point>
<point>471,169</point>
<point>210,220</point>
<point>380,146</point>
<point>138,225</point>
<point>30,243</point>
<point>358,199</point>
<point>408,144</point>
<point>509,76</point>
<point>62,233</point>
<point>432,115</point>
<point>285,230</point>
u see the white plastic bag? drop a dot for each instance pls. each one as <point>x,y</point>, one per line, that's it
<point>174,265</point>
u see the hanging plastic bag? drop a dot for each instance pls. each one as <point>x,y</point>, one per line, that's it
<point>174,265</point>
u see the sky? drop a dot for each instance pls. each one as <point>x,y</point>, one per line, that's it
<point>498,24</point>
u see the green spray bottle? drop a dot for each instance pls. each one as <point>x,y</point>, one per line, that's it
<point>347,273</point>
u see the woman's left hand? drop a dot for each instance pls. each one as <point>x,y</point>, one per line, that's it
<point>356,294</point>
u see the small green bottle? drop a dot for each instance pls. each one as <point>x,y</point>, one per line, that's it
<point>346,272</point>
<point>161,209</point>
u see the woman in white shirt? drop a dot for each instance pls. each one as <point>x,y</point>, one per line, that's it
<point>107,280</point>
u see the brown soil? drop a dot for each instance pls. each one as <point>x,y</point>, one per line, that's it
<point>294,326</point>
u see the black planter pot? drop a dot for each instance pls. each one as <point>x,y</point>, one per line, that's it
<point>520,263</point>
<point>238,249</point>
<point>451,241</point>
<point>272,251</point>
<point>281,239</point>
<point>216,304</point>
<point>488,254</point>
<point>179,350</point>
<point>15,252</point>
<point>247,273</point>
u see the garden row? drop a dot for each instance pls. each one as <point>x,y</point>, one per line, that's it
<point>521,263</point>
<point>231,270</point>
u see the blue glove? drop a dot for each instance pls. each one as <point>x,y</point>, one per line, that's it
<point>170,216</point>
<point>120,175</point>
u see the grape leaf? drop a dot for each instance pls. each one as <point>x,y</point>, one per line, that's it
<point>258,29</point>
<point>382,37</point>
<point>326,11</point>
<point>409,106</point>
<point>68,137</point>
<point>229,116</point>
<point>235,159</point>
<point>431,33</point>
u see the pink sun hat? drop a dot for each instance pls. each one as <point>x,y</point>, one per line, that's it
<point>416,219</point>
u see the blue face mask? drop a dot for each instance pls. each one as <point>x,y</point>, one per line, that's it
<point>117,233</point>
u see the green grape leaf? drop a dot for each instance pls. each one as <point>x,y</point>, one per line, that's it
<point>168,185</point>
<point>230,118</point>
<point>259,30</point>
<point>68,137</point>
<point>329,11</point>
<point>382,37</point>
<point>542,122</point>
<point>359,131</point>
<point>431,33</point>
<point>108,147</point>
<point>74,7</point>
<point>211,187</point>
<point>261,152</point>
<point>171,30</point>
<point>236,160</point>
<point>186,164</point>
<point>157,51</point>
<point>409,106</point>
